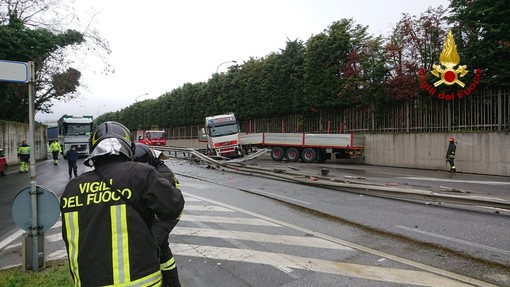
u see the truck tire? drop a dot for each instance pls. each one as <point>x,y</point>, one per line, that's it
<point>277,153</point>
<point>292,154</point>
<point>309,155</point>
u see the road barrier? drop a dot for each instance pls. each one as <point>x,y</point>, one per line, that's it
<point>239,165</point>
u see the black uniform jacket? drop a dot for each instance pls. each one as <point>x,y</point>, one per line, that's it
<point>450,153</point>
<point>108,240</point>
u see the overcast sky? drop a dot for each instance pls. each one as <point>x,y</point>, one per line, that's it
<point>158,45</point>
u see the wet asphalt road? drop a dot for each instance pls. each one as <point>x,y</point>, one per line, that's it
<point>382,213</point>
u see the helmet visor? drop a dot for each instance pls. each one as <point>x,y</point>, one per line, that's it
<point>108,146</point>
<point>160,155</point>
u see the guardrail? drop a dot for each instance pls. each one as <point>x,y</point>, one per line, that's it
<point>343,185</point>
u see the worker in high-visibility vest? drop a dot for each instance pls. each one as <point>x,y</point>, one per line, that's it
<point>55,149</point>
<point>107,214</point>
<point>24,157</point>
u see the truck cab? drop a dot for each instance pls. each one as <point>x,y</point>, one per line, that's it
<point>152,137</point>
<point>222,134</point>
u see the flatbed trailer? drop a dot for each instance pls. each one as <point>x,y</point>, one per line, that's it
<point>307,147</point>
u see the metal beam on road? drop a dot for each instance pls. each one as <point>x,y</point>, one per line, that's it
<point>359,188</point>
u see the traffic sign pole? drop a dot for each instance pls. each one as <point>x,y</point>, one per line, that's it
<point>33,182</point>
<point>21,72</point>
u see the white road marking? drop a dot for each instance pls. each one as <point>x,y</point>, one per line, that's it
<point>12,246</point>
<point>59,254</point>
<point>11,238</point>
<point>288,271</point>
<point>458,180</point>
<point>54,237</point>
<point>400,276</point>
<point>408,262</point>
<point>195,185</point>
<point>57,224</point>
<point>206,208</point>
<point>223,219</point>
<point>494,249</point>
<point>281,196</point>
<point>259,237</point>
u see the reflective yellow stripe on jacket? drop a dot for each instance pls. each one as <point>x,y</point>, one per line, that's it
<point>120,250</point>
<point>169,265</point>
<point>120,244</point>
<point>72,234</point>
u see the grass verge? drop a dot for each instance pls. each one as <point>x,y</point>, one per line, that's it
<point>56,273</point>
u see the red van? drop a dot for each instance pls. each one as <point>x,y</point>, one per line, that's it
<point>3,163</point>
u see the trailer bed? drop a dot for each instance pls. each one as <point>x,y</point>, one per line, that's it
<point>304,140</point>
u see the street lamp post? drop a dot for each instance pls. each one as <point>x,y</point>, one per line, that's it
<point>225,63</point>
<point>144,94</point>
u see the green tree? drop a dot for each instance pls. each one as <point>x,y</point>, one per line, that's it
<point>416,43</point>
<point>332,72</point>
<point>31,31</point>
<point>481,28</point>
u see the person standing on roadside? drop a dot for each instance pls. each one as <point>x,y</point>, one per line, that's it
<point>72,157</point>
<point>55,149</point>
<point>450,154</point>
<point>24,157</point>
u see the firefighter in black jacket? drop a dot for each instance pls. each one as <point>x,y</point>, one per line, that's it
<point>107,214</point>
<point>450,154</point>
<point>161,229</point>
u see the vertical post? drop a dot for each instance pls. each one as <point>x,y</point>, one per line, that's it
<point>329,126</point>
<point>449,116</point>
<point>408,115</point>
<point>500,110</point>
<point>283,125</point>
<point>33,173</point>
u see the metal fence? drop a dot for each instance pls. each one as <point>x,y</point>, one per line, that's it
<point>483,111</point>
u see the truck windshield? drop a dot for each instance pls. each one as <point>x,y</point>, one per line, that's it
<point>155,135</point>
<point>217,131</point>
<point>77,129</point>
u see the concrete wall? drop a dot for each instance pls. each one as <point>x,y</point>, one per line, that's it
<point>480,153</point>
<point>12,134</point>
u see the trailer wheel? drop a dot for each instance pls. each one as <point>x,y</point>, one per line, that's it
<point>309,155</point>
<point>292,154</point>
<point>277,153</point>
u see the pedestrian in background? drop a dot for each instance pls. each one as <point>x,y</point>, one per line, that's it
<point>72,157</point>
<point>450,154</point>
<point>24,157</point>
<point>55,149</point>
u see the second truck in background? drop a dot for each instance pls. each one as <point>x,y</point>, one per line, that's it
<point>75,131</point>
<point>152,137</point>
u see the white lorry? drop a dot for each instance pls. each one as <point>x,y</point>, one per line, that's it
<point>75,130</point>
<point>307,147</point>
<point>221,133</point>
